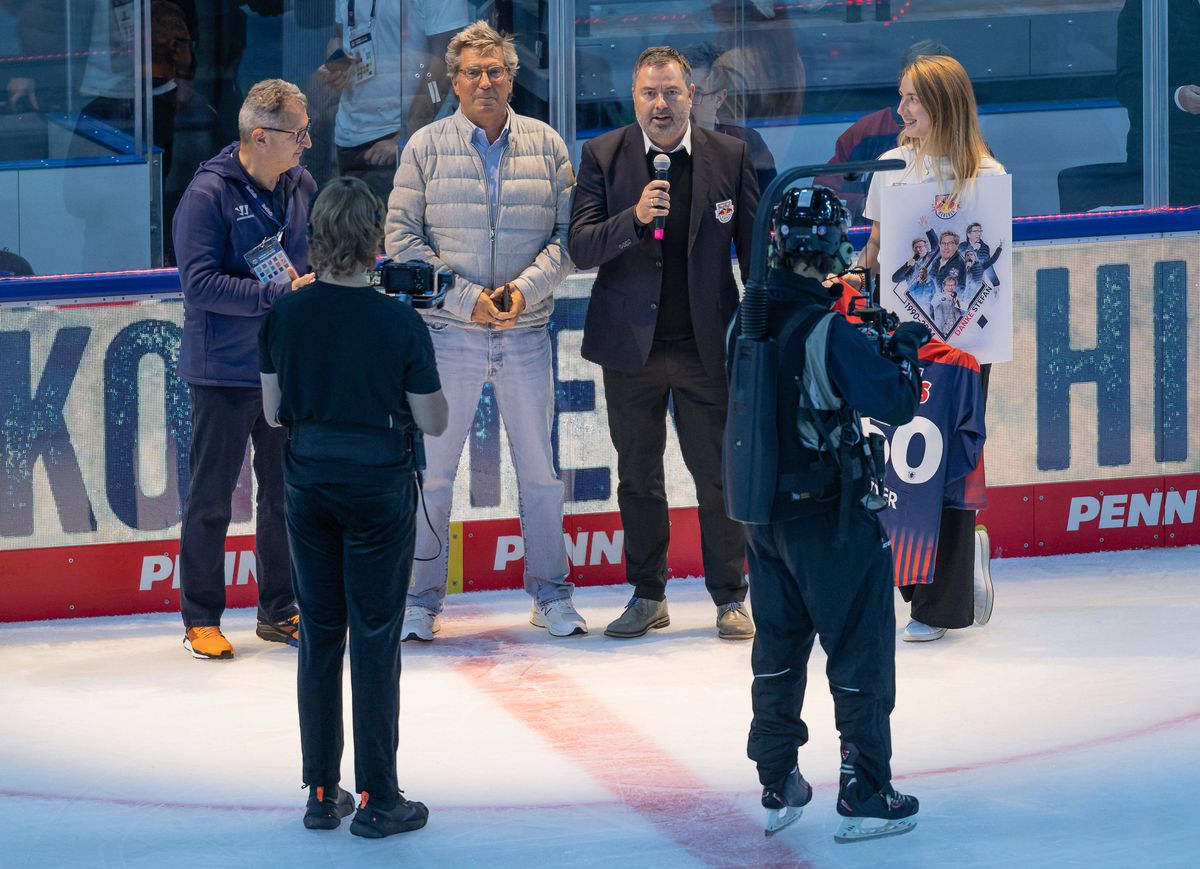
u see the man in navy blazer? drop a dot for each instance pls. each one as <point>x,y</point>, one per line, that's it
<point>656,323</point>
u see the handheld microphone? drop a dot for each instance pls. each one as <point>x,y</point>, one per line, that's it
<point>662,165</point>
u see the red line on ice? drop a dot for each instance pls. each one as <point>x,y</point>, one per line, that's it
<point>701,819</point>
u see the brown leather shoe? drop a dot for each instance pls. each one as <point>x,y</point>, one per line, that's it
<point>734,622</point>
<point>641,614</point>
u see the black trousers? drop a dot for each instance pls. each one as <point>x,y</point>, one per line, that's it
<point>949,600</point>
<point>802,587</point>
<point>637,423</point>
<point>380,179</point>
<point>223,420</point>
<point>352,550</point>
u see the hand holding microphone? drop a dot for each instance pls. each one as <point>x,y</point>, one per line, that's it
<point>655,201</point>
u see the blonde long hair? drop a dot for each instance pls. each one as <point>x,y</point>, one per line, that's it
<point>946,94</point>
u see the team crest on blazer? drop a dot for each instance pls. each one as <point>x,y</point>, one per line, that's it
<point>724,211</point>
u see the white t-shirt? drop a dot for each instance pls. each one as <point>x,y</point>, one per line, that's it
<point>378,106</point>
<point>913,174</point>
<point>109,69</point>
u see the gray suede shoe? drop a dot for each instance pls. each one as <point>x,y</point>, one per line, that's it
<point>734,622</point>
<point>640,616</point>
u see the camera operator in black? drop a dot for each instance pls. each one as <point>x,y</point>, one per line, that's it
<point>351,373</point>
<point>821,567</point>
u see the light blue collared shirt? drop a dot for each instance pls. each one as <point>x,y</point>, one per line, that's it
<point>491,154</point>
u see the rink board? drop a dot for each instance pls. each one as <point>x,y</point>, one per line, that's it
<point>1094,437</point>
<point>1054,519</point>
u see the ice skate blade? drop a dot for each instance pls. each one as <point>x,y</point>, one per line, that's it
<point>777,819</point>
<point>855,829</point>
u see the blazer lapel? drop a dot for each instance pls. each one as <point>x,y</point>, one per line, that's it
<point>637,175</point>
<point>701,170</point>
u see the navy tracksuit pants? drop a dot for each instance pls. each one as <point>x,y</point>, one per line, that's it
<point>224,418</point>
<point>803,587</point>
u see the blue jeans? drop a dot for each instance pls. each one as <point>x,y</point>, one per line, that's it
<point>517,364</point>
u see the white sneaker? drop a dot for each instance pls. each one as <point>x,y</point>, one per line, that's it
<point>558,616</point>
<point>916,632</point>
<point>420,624</point>
<point>985,594</point>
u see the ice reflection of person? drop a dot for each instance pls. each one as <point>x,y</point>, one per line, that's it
<point>947,308</point>
<point>711,76</point>
<point>941,142</point>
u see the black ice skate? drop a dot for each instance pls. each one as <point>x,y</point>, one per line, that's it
<point>884,813</point>
<point>785,801</point>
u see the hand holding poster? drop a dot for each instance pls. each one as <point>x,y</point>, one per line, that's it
<point>947,262</point>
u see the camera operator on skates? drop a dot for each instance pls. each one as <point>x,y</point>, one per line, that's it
<point>820,564</point>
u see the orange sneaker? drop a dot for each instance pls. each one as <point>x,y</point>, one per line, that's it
<point>286,631</point>
<point>207,642</point>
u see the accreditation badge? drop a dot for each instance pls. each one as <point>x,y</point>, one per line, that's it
<point>269,261</point>
<point>362,49</point>
<point>122,20</point>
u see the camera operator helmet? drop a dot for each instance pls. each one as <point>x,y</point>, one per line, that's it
<point>811,227</point>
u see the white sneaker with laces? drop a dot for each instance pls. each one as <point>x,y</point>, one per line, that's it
<point>985,593</point>
<point>420,624</point>
<point>918,632</point>
<point>559,617</point>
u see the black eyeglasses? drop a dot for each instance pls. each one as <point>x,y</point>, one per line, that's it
<point>494,73</point>
<point>299,134</point>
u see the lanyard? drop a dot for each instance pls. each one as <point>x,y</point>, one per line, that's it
<point>350,13</point>
<point>280,226</point>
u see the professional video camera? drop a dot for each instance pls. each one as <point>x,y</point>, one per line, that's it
<point>413,282</point>
<point>878,323</point>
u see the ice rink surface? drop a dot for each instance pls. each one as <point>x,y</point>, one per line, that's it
<point>1065,733</point>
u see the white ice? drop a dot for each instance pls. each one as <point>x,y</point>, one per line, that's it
<point>1065,733</point>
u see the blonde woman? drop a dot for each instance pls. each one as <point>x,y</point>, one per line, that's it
<point>940,142</point>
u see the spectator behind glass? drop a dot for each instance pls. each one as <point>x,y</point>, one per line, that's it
<point>766,72</point>
<point>371,67</point>
<point>1183,96</point>
<point>711,77</point>
<point>870,136</point>
<point>351,373</point>
<point>13,265</point>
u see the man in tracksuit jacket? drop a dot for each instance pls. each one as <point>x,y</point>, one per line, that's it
<point>253,192</point>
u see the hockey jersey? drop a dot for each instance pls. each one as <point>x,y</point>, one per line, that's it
<point>934,461</point>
